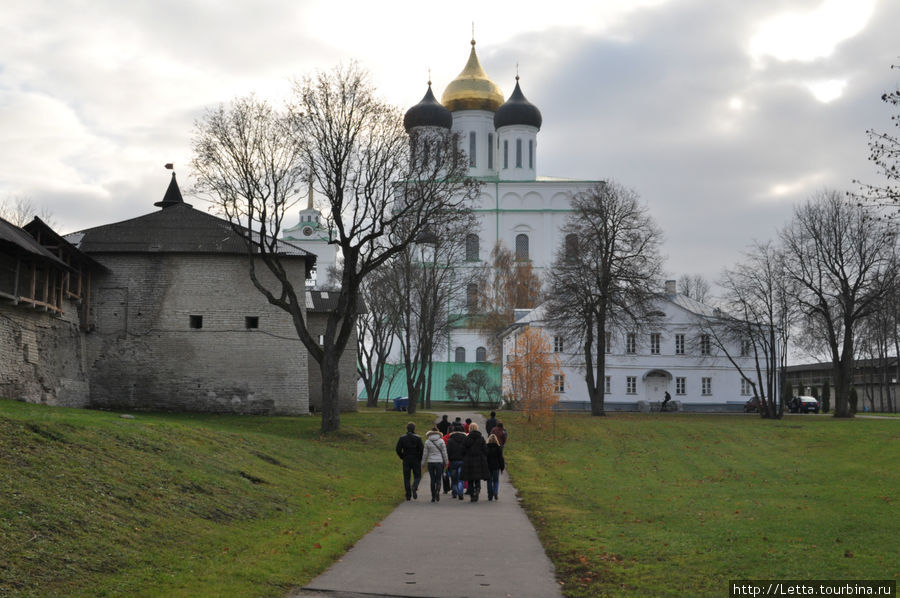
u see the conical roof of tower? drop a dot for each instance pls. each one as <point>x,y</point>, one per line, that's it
<point>518,111</point>
<point>472,89</point>
<point>428,113</point>
<point>172,196</point>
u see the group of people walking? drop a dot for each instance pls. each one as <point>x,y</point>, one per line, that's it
<point>457,452</point>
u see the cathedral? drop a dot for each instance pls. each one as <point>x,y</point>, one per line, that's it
<point>517,208</point>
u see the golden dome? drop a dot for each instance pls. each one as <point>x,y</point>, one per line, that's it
<point>472,90</point>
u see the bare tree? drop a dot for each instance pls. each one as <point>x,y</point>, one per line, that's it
<point>425,289</point>
<point>375,337</point>
<point>841,263</point>
<point>884,152</point>
<point>20,210</point>
<point>605,276</point>
<point>694,286</point>
<point>253,160</point>
<point>760,313</point>
<point>504,285</point>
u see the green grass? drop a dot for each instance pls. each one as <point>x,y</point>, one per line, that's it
<point>185,505</point>
<point>678,505</point>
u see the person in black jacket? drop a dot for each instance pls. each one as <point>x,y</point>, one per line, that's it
<point>456,450</point>
<point>410,449</point>
<point>490,423</point>
<point>475,467</point>
<point>496,464</point>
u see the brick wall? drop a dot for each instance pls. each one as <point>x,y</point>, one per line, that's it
<point>145,354</point>
<point>42,358</point>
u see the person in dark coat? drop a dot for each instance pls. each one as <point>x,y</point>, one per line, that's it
<point>444,425</point>
<point>496,464</point>
<point>475,467</point>
<point>456,450</point>
<point>500,433</point>
<point>490,423</point>
<point>410,449</point>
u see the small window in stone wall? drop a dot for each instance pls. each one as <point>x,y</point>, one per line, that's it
<point>196,321</point>
<point>251,322</point>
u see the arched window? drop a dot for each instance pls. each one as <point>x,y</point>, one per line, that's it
<point>472,149</point>
<point>471,296</point>
<point>480,354</point>
<point>506,153</point>
<point>471,247</point>
<point>522,246</point>
<point>531,153</point>
<point>460,355</point>
<point>518,153</point>
<point>571,247</point>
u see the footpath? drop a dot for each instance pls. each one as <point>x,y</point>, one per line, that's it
<point>448,549</point>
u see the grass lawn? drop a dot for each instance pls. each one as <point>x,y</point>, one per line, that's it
<point>92,504</point>
<point>679,504</point>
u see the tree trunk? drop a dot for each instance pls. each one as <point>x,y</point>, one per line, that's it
<point>331,410</point>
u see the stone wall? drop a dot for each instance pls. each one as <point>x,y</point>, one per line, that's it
<point>191,333</point>
<point>347,398</point>
<point>42,357</point>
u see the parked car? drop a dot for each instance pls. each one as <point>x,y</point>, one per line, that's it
<point>752,406</point>
<point>803,404</point>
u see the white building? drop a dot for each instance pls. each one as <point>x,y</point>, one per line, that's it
<point>311,234</point>
<point>516,207</point>
<point>676,357</point>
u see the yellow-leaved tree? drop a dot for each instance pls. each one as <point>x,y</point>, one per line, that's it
<point>533,375</point>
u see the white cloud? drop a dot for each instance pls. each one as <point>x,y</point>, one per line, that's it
<point>828,90</point>
<point>806,36</point>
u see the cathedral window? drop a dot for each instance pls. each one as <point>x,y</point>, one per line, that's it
<point>631,343</point>
<point>506,153</point>
<point>460,355</point>
<point>490,151</point>
<point>531,153</point>
<point>480,354</point>
<point>472,149</point>
<point>571,247</point>
<point>471,247</point>
<point>518,153</point>
<point>522,247</point>
<point>471,297</point>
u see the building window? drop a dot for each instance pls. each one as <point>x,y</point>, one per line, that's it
<point>490,151</point>
<point>631,343</point>
<point>746,387</point>
<point>531,153</point>
<point>472,149</point>
<point>680,386</point>
<point>679,344</point>
<point>704,345</point>
<point>559,383</point>
<point>571,247</point>
<point>609,342</point>
<point>196,321</point>
<point>522,247</point>
<point>480,354</point>
<point>506,153</point>
<point>251,322</point>
<point>706,386</point>
<point>471,296</point>
<point>607,387</point>
<point>518,153</point>
<point>557,344</point>
<point>460,355</point>
<point>745,348</point>
<point>471,247</point>
<point>631,385</point>
<point>654,343</point>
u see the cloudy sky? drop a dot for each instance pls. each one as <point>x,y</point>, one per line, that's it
<point>722,114</point>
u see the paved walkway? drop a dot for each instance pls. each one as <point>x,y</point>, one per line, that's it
<point>448,549</point>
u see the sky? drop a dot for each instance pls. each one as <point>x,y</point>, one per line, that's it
<point>722,114</point>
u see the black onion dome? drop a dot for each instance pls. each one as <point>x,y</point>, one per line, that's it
<point>428,113</point>
<point>517,111</point>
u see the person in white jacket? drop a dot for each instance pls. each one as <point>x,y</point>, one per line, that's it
<point>435,456</point>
